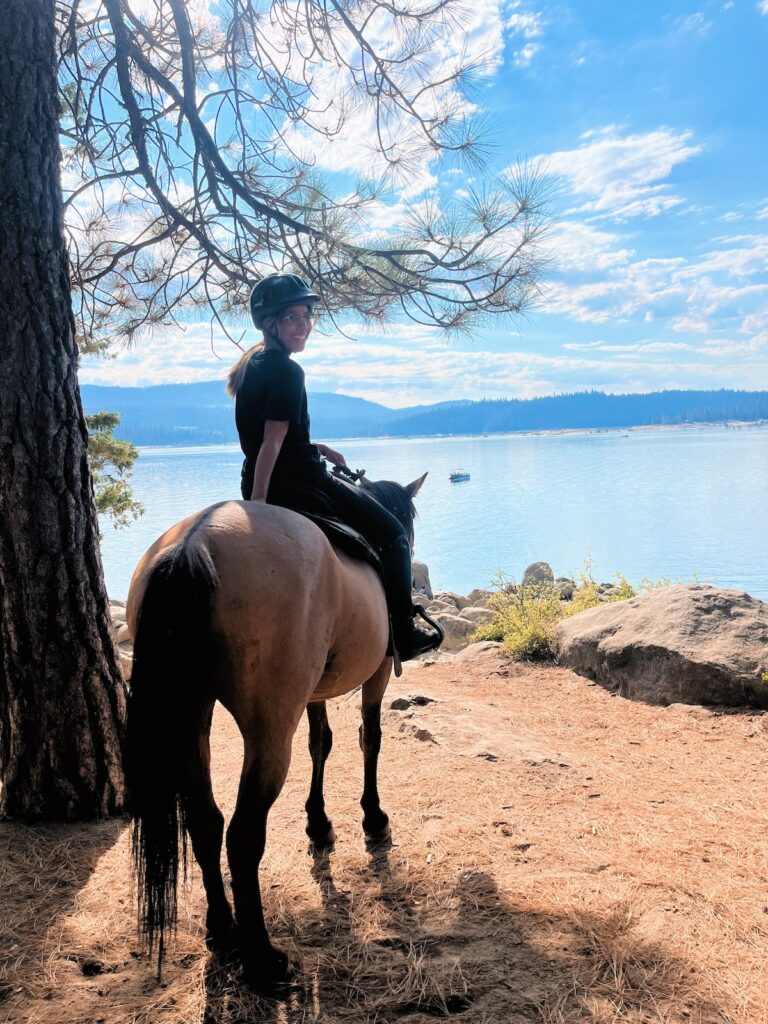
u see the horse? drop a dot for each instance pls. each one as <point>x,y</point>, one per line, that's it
<point>248,604</point>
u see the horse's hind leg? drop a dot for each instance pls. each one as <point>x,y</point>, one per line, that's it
<point>319,827</point>
<point>264,772</point>
<point>205,824</point>
<point>375,821</point>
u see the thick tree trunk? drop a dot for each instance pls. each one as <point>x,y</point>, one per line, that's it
<point>62,698</point>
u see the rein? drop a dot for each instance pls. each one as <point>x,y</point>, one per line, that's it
<point>355,475</point>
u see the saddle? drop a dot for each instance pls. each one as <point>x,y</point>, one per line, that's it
<point>312,503</point>
<point>345,539</point>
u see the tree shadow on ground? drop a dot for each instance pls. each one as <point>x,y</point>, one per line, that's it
<point>43,869</point>
<point>464,951</point>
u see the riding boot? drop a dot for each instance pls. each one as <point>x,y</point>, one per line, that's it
<point>409,639</point>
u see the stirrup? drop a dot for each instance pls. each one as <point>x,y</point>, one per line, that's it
<point>429,641</point>
<point>420,610</point>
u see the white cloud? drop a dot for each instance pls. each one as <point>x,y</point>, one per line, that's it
<point>582,247</point>
<point>727,347</point>
<point>743,256</point>
<point>602,281</point>
<point>530,26</point>
<point>631,348</point>
<point>623,176</point>
<point>523,57</point>
<point>695,24</point>
<point>763,6</point>
<point>411,364</point>
<point>688,325</point>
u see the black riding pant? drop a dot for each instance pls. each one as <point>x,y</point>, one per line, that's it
<point>348,503</point>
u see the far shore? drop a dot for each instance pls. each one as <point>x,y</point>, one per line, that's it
<point>554,432</point>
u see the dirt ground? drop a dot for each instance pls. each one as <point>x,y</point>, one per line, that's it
<point>559,854</point>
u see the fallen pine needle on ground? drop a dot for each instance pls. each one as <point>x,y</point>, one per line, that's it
<point>559,855</point>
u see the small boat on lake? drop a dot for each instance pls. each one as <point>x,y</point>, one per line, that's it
<point>459,476</point>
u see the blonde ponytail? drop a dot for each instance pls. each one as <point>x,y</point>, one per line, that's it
<point>237,373</point>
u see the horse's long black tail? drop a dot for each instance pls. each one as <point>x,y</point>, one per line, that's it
<point>163,722</point>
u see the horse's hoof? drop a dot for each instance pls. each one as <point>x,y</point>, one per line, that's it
<point>220,930</point>
<point>376,828</point>
<point>322,841</point>
<point>375,842</point>
<point>266,968</point>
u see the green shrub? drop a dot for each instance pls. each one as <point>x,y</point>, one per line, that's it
<point>527,616</point>
<point>525,621</point>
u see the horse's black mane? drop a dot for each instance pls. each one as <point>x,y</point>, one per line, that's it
<point>393,497</point>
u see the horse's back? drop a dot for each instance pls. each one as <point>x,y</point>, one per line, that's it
<point>285,607</point>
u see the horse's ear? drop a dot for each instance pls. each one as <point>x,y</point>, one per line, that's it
<point>414,488</point>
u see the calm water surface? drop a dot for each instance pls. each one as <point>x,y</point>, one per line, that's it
<point>650,503</point>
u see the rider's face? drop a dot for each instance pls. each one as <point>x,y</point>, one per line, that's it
<point>293,326</point>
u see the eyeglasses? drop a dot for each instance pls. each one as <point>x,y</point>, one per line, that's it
<point>298,320</point>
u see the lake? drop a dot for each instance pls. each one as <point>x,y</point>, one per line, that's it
<point>659,503</point>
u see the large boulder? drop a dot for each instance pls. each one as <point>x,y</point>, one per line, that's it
<point>457,600</point>
<point>687,644</point>
<point>421,584</point>
<point>457,630</point>
<point>538,574</point>
<point>478,615</point>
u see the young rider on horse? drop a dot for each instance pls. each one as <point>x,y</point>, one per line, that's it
<point>283,467</point>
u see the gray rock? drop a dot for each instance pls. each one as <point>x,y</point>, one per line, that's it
<point>478,615</point>
<point>457,600</point>
<point>400,704</point>
<point>479,598</point>
<point>126,664</point>
<point>418,700</point>
<point>457,630</point>
<point>123,633</point>
<point>484,650</point>
<point>538,574</point>
<point>687,644</point>
<point>421,584</point>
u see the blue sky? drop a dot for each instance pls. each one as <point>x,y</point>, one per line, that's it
<point>653,119</point>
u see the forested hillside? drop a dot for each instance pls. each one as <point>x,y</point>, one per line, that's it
<point>194,414</point>
<point>589,409</point>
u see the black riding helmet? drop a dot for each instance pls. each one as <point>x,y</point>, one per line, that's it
<point>275,292</point>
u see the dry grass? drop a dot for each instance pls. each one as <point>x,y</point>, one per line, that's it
<point>561,855</point>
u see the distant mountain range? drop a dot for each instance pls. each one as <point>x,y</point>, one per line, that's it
<point>195,414</point>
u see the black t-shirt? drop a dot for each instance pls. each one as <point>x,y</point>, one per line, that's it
<point>273,389</point>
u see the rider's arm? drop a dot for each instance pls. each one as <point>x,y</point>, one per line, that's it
<point>274,435</point>
<point>333,456</point>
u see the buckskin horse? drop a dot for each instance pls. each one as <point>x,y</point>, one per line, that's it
<point>248,604</point>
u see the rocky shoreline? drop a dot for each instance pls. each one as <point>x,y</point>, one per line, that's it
<point>686,643</point>
<point>459,615</point>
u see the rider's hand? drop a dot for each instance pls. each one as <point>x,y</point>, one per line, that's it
<point>333,456</point>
